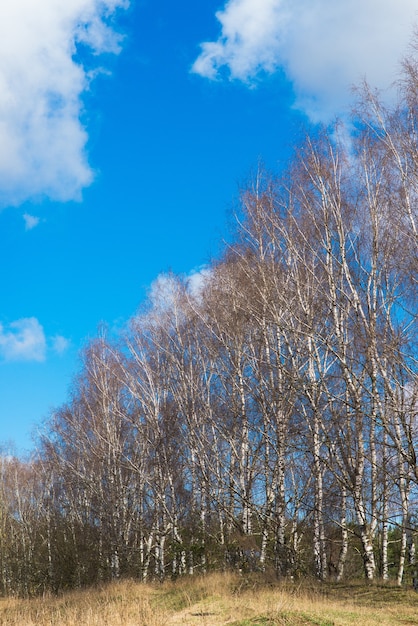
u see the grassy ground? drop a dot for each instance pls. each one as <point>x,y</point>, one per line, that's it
<point>218,600</point>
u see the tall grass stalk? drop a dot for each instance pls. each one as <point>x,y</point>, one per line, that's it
<point>217,600</point>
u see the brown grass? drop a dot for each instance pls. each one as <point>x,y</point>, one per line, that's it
<point>218,600</point>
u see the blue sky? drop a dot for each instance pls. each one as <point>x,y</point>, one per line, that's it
<point>125,134</point>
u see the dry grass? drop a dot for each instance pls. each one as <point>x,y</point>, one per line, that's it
<point>218,600</point>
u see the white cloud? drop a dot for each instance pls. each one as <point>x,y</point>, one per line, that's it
<point>250,40</point>
<point>163,291</point>
<point>23,340</point>
<point>167,288</point>
<point>30,221</point>
<point>60,344</point>
<point>42,140</point>
<point>197,281</point>
<point>324,46</point>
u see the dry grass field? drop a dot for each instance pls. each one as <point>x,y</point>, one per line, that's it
<point>218,600</point>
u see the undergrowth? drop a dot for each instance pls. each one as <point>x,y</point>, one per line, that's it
<point>217,600</point>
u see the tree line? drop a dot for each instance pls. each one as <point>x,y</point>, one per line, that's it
<point>263,417</point>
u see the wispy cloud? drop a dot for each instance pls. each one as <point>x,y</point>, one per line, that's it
<point>324,46</point>
<point>60,344</point>
<point>42,140</point>
<point>23,340</point>
<point>30,221</point>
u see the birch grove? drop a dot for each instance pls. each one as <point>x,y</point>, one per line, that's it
<point>266,421</point>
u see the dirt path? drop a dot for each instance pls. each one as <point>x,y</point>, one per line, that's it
<point>203,614</point>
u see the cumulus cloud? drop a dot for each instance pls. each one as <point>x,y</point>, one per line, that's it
<point>163,291</point>
<point>323,46</point>
<point>23,340</point>
<point>197,281</point>
<point>42,140</point>
<point>166,288</point>
<point>250,40</point>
